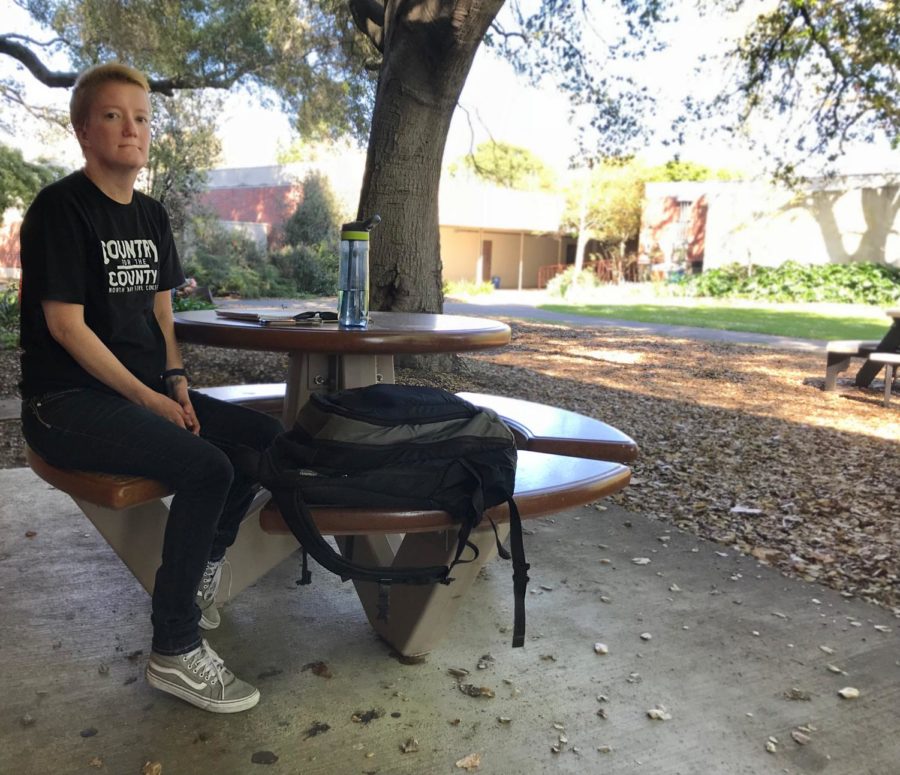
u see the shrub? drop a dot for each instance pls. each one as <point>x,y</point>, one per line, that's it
<point>308,269</point>
<point>572,284</point>
<point>467,288</point>
<point>317,219</point>
<point>188,303</point>
<point>225,260</point>
<point>9,317</point>
<point>859,283</point>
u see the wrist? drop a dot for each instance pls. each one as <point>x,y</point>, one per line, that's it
<point>173,373</point>
<point>173,380</point>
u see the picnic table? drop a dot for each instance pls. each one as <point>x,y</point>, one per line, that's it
<point>890,343</point>
<point>840,353</point>
<point>565,460</point>
<point>326,357</point>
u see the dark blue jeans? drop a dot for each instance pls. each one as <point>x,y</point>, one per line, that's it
<point>95,431</point>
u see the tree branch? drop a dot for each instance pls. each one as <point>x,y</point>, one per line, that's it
<point>368,15</point>
<point>34,65</point>
<point>56,79</point>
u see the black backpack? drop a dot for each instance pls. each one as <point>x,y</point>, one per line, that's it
<point>397,447</point>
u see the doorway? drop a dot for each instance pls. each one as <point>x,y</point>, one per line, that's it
<point>487,248</point>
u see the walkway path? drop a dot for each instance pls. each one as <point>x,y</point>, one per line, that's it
<point>524,305</point>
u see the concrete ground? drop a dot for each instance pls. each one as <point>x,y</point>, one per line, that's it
<point>736,654</point>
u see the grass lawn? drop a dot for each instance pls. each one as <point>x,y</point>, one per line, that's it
<point>809,321</point>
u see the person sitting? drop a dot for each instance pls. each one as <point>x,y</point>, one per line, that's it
<point>104,386</point>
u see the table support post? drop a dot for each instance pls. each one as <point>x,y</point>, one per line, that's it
<point>362,370</point>
<point>420,615</point>
<point>307,373</point>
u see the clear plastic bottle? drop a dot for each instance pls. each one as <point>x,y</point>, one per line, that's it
<point>353,283</point>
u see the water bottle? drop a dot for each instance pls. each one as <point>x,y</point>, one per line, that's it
<point>353,284</point>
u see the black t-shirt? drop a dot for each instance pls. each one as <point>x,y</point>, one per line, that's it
<point>80,246</point>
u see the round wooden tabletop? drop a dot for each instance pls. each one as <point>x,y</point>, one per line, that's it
<point>388,333</point>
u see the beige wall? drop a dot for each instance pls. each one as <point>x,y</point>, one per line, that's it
<point>461,255</point>
<point>767,226</point>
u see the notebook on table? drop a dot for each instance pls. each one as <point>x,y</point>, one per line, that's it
<point>271,317</point>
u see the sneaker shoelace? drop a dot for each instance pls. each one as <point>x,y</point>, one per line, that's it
<point>212,575</point>
<point>205,663</point>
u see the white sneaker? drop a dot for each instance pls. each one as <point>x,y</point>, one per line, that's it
<point>201,678</point>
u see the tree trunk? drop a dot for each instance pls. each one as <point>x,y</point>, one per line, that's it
<point>580,248</point>
<point>583,225</point>
<point>429,46</point>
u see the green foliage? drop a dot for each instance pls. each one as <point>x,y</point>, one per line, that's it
<point>190,303</point>
<point>859,283</point>
<point>678,170</point>
<point>9,317</point>
<point>509,166</point>
<point>310,269</point>
<point>767,318</point>
<point>572,284</point>
<point>184,147</point>
<point>464,288</point>
<point>845,54</point>
<point>606,202</point>
<point>232,263</point>
<point>317,219</point>
<point>310,53</point>
<point>20,180</point>
<point>225,260</point>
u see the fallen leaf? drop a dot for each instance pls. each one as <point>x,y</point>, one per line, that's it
<point>476,691</point>
<point>317,728</point>
<point>410,746</point>
<point>470,762</point>
<point>365,716</point>
<point>318,668</point>
<point>151,768</point>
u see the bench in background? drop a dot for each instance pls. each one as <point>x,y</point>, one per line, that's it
<point>890,361</point>
<point>839,354</point>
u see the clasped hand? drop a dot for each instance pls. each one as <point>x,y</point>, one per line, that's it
<point>177,408</point>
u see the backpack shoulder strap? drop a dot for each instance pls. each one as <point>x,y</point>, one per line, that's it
<point>520,573</point>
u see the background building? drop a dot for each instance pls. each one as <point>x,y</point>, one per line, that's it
<point>710,224</point>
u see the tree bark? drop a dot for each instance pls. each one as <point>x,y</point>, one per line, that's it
<point>428,49</point>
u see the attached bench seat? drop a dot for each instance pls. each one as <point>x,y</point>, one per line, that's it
<point>129,513</point>
<point>537,427</point>
<point>542,428</point>
<point>555,472</point>
<point>891,363</point>
<point>839,353</point>
<point>545,484</point>
<point>266,397</point>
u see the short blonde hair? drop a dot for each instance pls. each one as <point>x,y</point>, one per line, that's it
<point>92,79</point>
